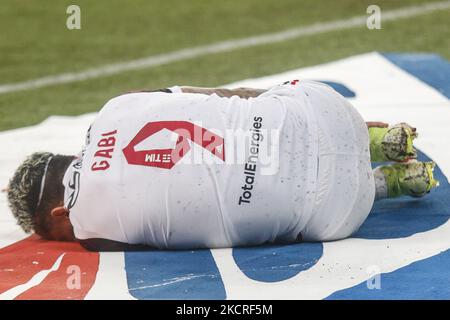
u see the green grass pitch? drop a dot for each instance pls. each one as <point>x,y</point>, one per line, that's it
<point>34,42</point>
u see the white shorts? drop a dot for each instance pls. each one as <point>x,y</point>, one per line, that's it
<point>345,186</point>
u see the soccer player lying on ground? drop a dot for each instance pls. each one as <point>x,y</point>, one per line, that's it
<point>245,167</point>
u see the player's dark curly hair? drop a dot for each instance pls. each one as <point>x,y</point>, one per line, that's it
<point>25,187</point>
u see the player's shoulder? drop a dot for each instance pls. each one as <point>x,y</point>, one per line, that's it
<point>129,98</point>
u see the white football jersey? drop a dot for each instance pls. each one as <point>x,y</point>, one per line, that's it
<point>181,170</point>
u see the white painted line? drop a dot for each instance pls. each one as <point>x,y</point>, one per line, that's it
<point>111,281</point>
<point>34,281</point>
<point>220,47</point>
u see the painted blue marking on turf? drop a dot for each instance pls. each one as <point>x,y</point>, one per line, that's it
<point>339,87</point>
<point>173,275</point>
<point>277,263</point>
<point>424,279</point>
<point>430,68</point>
<point>405,216</point>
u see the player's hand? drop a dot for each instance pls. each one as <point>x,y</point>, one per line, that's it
<point>376,124</point>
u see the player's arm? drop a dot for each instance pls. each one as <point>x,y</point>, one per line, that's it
<point>166,90</point>
<point>376,124</point>
<point>246,93</point>
<point>243,92</point>
<point>110,245</point>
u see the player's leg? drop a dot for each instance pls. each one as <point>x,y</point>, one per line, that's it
<point>394,143</point>
<point>413,179</point>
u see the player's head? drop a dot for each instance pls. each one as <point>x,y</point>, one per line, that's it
<point>36,195</point>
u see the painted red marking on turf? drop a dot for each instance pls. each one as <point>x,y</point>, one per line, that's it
<point>20,261</point>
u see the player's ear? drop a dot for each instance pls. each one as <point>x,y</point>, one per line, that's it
<point>59,212</point>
